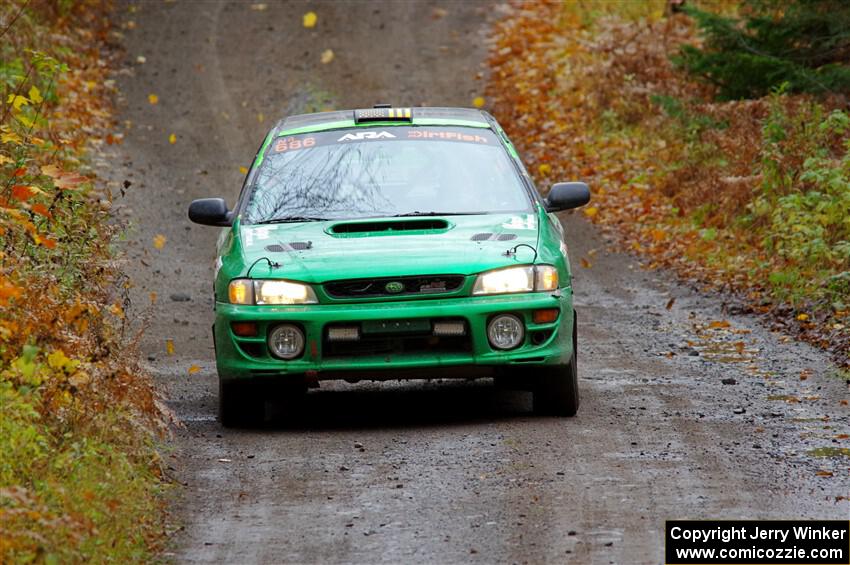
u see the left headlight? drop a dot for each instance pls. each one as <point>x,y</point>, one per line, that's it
<point>528,278</point>
<point>249,291</point>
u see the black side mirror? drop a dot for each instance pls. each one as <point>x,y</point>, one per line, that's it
<point>210,212</point>
<point>567,195</point>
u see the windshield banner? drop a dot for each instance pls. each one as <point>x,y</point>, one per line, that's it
<point>478,136</point>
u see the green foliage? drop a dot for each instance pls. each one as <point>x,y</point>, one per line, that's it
<point>79,475</point>
<point>77,495</point>
<point>693,123</point>
<point>805,196</point>
<point>803,43</point>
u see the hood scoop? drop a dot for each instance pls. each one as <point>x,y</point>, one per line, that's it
<point>388,227</point>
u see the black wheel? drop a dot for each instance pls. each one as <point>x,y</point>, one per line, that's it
<point>239,404</point>
<point>556,392</point>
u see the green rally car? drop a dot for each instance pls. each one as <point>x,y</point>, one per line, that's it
<point>392,243</point>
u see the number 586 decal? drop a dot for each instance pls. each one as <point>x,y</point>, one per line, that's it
<point>293,143</point>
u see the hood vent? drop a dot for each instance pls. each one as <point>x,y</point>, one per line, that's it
<point>389,226</point>
<point>292,246</point>
<point>487,236</point>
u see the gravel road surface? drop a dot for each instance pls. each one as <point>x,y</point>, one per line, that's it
<point>449,471</point>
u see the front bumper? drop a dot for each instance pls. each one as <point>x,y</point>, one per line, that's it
<point>248,357</point>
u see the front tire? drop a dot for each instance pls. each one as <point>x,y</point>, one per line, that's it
<point>556,391</point>
<point>239,404</point>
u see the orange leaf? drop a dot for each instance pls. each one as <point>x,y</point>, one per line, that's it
<point>41,210</point>
<point>22,192</point>
<point>194,369</point>
<point>8,290</point>
<point>117,310</point>
<point>719,324</point>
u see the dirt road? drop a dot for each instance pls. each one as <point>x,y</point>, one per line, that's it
<point>438,472</point>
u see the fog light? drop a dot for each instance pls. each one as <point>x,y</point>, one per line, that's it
<point>505,331</point>
<point>344,333</point>
<point>450,328</point>
<point>545,316</point>
<point>244,329</point>
<point>286,341</point>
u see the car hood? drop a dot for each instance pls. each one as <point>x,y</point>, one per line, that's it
<point>465,245</point>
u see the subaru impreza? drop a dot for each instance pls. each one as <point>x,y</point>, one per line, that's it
<point>392,243</point>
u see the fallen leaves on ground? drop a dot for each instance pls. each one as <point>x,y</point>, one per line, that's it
<point>309,20</point>
<point>327,56</point>
<point>593,95</point>
<point>159,241</point>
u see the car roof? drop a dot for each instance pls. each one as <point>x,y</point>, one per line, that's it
<point>339,118</point>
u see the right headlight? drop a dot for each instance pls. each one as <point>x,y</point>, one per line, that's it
<point>527,278</point>
<point>270,291</point>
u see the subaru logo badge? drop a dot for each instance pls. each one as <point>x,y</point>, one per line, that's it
<point>394,287</point>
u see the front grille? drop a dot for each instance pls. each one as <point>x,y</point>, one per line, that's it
<point>397,337</point>
<point>396,345</point>
<point>394,286</point>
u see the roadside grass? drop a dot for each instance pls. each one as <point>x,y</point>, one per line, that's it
<point>745,196</point>
<point>80,474</point>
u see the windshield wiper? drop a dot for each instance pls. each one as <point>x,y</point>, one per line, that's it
<point>412,214</point>
<point>291,219</point>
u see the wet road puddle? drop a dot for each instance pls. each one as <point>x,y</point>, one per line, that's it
<point>829,452</point>
<point>784,397</point>
<point>719,341</point>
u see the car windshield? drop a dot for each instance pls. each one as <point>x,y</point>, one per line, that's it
<point>390,171</point>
